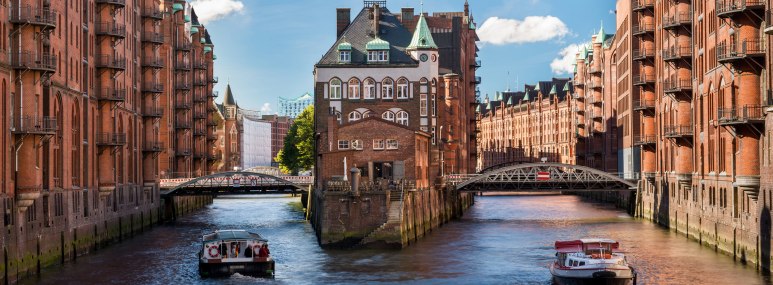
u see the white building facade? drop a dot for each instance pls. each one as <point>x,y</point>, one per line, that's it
<point>256,143</point>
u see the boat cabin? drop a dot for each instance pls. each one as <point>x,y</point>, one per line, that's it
<point>576,253</point>
<point>233,245</point>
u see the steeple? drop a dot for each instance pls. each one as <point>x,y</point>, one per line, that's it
<point>601,37</point>
<point>466,8</point>
<point>228,99</point>
<point>422,37</point>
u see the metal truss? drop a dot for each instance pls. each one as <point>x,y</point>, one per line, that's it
<point>234,183</point>
<point>524,177</point>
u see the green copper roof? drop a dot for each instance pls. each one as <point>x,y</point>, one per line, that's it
<point>207,49</point>
<point>194,30</point>
<point>510,101</point>
<point>601,36</point>
<point>214,57</point>
<point>177,7</point>
<point>422,37</point>
<point>526,95</point>
<point>344,46</point>
<point>566,86</point>
<point>553,90</point>
<point>584,52</point>
<point>488,106</point>
<point>477,109</point>
<point>536,87</point>
<point>377,44</point>
<point>187,18</point>
<point>203,40</point>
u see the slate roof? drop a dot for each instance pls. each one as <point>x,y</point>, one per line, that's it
<point>561,87</point>
<point>228,99</point>
<point>360,32</point>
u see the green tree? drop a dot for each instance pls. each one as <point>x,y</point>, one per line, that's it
<point>298,151</point>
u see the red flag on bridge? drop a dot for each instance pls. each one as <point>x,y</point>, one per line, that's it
<point>543,175</point>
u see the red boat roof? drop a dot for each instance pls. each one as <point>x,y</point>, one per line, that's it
<point>585,244</point>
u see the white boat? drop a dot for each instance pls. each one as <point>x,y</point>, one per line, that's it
<point>591,261</point>
<point>227,252</point>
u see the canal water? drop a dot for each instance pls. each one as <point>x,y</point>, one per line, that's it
<point>500,240</point>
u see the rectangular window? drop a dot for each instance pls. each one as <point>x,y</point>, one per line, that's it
<point>423,105</point>
<point>378,144</point>
<point>433,135</point>
<point>345,57</point>
<point>383,55</point>
<point>357,144</point>
<point>434,106</point>
<point>391,144</point>
<point>343,145</point>
<point>354,91</point>
<point>372,56</point>
<point>387,91</point>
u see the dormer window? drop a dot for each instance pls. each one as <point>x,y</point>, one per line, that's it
<point>344,52</point>
<point>378,51</point>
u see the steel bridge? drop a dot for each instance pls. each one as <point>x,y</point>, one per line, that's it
<point>536,177</point>
<point>232,183</point>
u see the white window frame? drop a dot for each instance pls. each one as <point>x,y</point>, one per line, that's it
<point>402,88</point>
<point>344,56</point>
<point>356,144</point>
<point>402,118</point>
<point>433,135</point>
<point>335,89</point>
<point>378,144</point>
<point>423,105</point>
<point>367,114</point>
<point>354,88</point>
<point>383,55</point>
<point>387,89</point>
<point>355,116</point>
<point>370,89</point>
<point>392,144</point>
<point>434,106</point>
<point>389,116</point>
<point>343,144</point>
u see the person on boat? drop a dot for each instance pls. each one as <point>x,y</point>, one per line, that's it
<point>263,252</point>
<point>224,250</point>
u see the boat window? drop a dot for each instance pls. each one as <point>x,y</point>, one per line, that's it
<point>582,263</point>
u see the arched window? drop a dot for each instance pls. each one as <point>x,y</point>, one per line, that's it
<point>402,88</point>
<point>367,114</point>
<point>370,89</point>
<point>389,116</point>
<point>354,116</point>
<point>387,89</point>
<point>402,118</point>
<point>354,88</point>
<point>338,117</point>
<point>335,88</point>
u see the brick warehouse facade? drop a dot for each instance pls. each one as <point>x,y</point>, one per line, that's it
<point>412,77</point>
<point>101,99</point>
<point>684,92</point>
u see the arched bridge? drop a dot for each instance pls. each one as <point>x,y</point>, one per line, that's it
<point>234,183</point>
<point>541,177</point>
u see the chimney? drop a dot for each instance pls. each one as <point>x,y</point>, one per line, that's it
<point>344,19</point>
<point>406,16</point>
<point>376,19</point>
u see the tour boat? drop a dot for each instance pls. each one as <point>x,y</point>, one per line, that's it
<point>591,261</point>
<point>226,252</point>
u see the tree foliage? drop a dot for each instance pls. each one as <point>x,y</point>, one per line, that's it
<point>298,151</point>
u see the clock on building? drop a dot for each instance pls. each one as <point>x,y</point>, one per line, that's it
<point>423,57</point>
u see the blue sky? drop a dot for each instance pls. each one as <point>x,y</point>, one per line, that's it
<point>268,48</point>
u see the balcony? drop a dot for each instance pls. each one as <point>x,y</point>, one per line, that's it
<point>199,99</point>
<point>152,112</point>
<point>27,60</point>
<point>642,54</point>
<point>578,83</point>
<point>182,125</point>
<point>183,47</point>
<point>199,82</point>
<point>211,123</point>
<point>579,123</point>
<point>34,125</point>
<point>119,3</point>
<point>182,86</point>
<point>596,115</point>
<point>477,80</point>
<point>677,86</point>
<point>642,29</point>
<point>749,114</point>
<point>153,62</point>
<point>730,8</point>
<point>677,131</point>
<point>638,5</point>
<point>152,37</point>
<point>643,105</point>
<point>183,152</point>
<point>110,62</point>
<point>182,104</point>
<point>475,64</point>
<point>186,66</point>
<point>594,85</point>
<point>200,65</point>
<point>676,53</point>
<point>199,132</point>
<point>642,140</point>
<point>643,79</point>
<point>153,88</point>
<point>43,17</point>
<point>199,155</point>
<point>153,146</point>
<point>153,13</point>
<point>111,139</point>
<point>199,115</point>
<point>677,20</point>
<point>110,29</point>
<point>595,70</point>
<point>578,110</point>
<point>211,137</point>
<point>746,49</point>
<point>214,80</point>
<point>768,23</point>
<point>214,94</point>
<point>111,95</point>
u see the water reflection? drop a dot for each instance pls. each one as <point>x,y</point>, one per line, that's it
<point>501,240</point>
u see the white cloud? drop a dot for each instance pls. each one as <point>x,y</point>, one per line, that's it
<point>531,29</point>
<point>213,10</point>
<point>266,108</point>
<point>564,64</point>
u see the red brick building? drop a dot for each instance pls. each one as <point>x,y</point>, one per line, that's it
<point>280,125</point>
